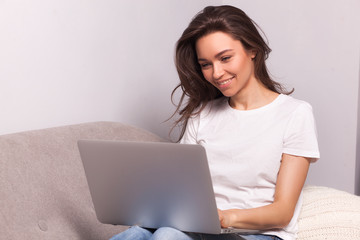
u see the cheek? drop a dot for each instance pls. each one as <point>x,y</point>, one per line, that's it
<point>241,67</point>
<point>207,75</point>
<point>236,66</point>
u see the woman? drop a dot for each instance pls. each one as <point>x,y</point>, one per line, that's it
<point>259,140</point>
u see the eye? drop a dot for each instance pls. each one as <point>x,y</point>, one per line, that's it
<point>225,58</point>
<point>204,65</point>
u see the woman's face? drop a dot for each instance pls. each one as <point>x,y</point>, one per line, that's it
<point>225,63</point>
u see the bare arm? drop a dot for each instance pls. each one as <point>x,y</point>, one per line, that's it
<point>291,178</point>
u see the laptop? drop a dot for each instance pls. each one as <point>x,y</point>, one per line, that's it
<point>152,185</point>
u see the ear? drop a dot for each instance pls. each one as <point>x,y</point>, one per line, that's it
<point>253,54</point>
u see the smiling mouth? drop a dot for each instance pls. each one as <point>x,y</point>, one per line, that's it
<point>226,82</point>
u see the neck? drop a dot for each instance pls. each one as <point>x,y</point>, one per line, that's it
<point>255,98</point>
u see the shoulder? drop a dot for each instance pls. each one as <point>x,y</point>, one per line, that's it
<point>209,108</point>
<point>294,105</point>
<point>214,107</point>
<point>202,116</point>
<point>208,112</point>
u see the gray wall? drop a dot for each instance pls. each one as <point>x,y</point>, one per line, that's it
<point>70,61</point>
<point>357,169</point>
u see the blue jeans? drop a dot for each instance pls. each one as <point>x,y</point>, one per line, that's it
<point>166,233</point>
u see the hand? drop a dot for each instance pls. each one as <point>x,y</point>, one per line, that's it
<point>226,218</point>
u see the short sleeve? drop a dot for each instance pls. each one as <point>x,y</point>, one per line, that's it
<point>300,137</point>
<point>190,134</point>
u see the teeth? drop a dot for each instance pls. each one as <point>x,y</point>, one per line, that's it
<point>225,82</point>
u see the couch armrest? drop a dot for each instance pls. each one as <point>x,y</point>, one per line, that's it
<point>329,214</point>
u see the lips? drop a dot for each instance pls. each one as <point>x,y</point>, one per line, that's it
<point>225,83</point>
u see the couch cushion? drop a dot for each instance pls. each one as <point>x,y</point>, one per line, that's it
<point>43,189</point>
<point>329,214</point>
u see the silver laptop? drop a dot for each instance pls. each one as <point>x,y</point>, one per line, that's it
<point>152,185</point>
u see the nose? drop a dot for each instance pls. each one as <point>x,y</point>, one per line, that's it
<point>218,70</point>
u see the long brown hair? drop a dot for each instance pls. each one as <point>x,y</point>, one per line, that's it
<point>195,89</point>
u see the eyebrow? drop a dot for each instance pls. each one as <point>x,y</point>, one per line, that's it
<point>217,55</point>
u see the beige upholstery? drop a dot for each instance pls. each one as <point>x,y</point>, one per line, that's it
<point>43,190</point>
<point>44,194</point>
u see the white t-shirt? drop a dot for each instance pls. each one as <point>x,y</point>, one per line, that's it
<point>244,150</point>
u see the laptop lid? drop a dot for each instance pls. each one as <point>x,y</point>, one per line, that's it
<point>150,184</point>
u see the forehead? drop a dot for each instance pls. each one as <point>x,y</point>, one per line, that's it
<point>216,42</point>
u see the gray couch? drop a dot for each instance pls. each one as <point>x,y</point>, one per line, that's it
<point>44,193</point>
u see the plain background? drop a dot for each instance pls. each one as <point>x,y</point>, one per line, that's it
<point>73,61</point>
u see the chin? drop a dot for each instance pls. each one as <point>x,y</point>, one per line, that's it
<point>227,94</point>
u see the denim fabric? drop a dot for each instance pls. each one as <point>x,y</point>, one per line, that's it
<point>260,237</point>
<point>133,233</point>
<point>166,233</point>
